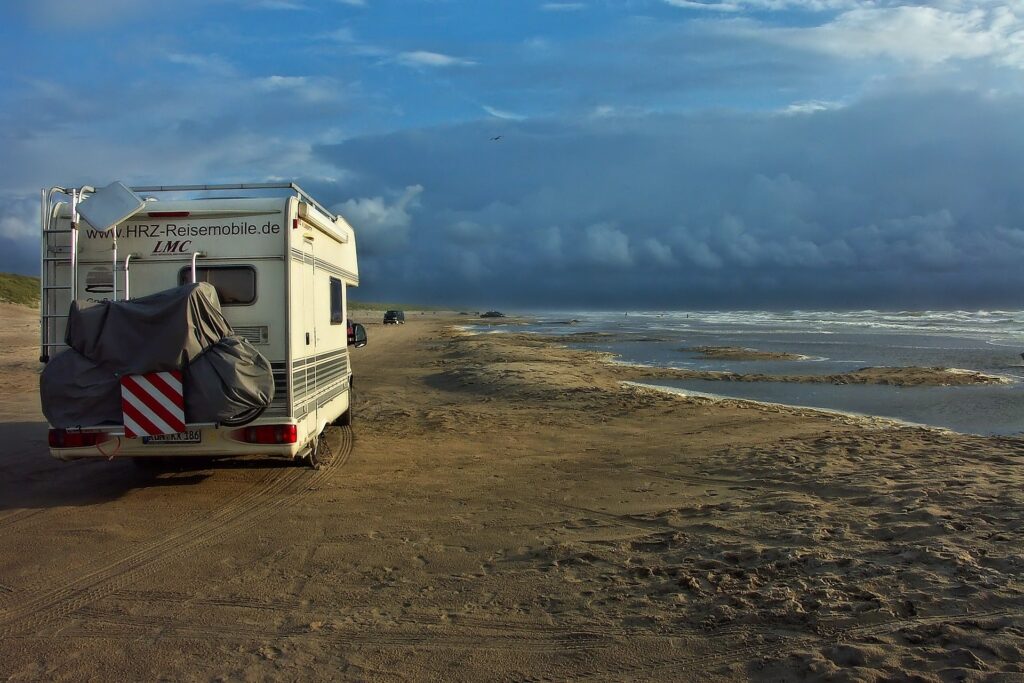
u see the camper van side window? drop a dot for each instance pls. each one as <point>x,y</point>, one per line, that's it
<point>337,315</point>
<point>236,285</point>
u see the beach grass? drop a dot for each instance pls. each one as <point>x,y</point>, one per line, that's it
<point>19,289</point>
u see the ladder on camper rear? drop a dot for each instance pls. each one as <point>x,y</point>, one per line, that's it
<point>58,272</point>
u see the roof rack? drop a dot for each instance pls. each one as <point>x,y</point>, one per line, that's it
<point>237,186</point>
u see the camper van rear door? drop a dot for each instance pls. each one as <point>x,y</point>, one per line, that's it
<point>309,311</point>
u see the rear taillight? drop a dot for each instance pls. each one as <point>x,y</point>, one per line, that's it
<point>270,434</point>
<point>62,438</point>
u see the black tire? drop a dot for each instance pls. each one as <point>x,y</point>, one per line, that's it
<point>312,459</point>
<point>151,463</point>
<point>345,419</point>
<point>172,463</point>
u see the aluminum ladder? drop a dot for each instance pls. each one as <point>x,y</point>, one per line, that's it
<point>58,271</point>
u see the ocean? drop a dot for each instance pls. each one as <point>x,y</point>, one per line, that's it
<point>832,342</point>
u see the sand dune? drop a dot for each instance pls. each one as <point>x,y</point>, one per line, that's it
<point>507,509</point>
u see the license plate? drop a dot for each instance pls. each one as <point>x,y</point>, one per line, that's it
<point>190,436</point>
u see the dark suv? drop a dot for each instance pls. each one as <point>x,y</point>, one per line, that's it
<point>394,317</point>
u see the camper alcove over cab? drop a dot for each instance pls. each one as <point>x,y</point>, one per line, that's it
<point>281,265</point>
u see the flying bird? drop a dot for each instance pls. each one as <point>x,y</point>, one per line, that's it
<point>495,138</point>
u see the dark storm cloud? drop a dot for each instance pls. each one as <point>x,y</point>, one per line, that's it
<point>900,200</point>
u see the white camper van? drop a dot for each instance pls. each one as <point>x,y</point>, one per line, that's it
<point>281,264</point>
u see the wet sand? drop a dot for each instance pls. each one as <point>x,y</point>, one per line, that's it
<point>741,353</point>
<point>892,376</point>
<point>508,509</point>
<point>900,377</point>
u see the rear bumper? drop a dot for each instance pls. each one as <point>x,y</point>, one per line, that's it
<point>214,442</point>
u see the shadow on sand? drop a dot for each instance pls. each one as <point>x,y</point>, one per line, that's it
<point>31,479</point>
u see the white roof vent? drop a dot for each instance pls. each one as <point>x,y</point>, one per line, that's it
<point>109,206</point>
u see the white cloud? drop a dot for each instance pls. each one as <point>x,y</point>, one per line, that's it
<point>282,82</point>
<point>549,243</point>
<point>423,58</point>
<point>563,6</point>
<point>382,227</point>
<point>926,35</point>
<point>737,241</point>
<point>232,129</point>
<point>308,89</point>
<point>347,43</point>
<point>210,64</point>
<point>605,245</point>
<point>607,111</point>
<point>19,218</point>
<point>95,13</point>
<point>699,252</point>
<point>810,107</point>
<point>340,35</point>
<point>705,6</point>
<point>502,114</point>
<point>914,32</point>
<point>925,240</point>
<point>658,252</point>
<point>472,233</point>
<point>537,45</point>
<point>287,5</point>
<point>771,5</point>
<point>467,263</point>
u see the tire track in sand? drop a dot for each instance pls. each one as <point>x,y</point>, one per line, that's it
<point>400,633</point>
<point>241,513</point>
<point>71,573</point>
<point>15,517</point>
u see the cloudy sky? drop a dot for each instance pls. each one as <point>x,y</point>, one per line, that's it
<point>653,153</point>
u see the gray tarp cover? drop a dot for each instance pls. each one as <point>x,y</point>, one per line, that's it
<point>225,378</point>
<point>162,331</point>
<point>230,381</point>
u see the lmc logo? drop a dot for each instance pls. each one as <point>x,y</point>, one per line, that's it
<point>172,247</point>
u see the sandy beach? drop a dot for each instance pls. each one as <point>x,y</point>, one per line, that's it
<point>505,508</point>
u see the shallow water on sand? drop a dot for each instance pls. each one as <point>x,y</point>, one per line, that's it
<point>832,342</point>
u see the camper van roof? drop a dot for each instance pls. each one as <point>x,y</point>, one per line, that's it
<point>292,187</point>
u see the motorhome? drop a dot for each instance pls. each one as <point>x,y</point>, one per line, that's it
<point>281,264</point>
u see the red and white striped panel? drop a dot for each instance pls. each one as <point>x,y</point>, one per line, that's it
<point>152,404</point>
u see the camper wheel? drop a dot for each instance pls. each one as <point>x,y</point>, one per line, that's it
<point>151,462</point>
<point>345,419</point>
<point>311,458</point>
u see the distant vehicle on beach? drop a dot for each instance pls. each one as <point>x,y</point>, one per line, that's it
<point>492,314</point>
<point>394,317</point>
